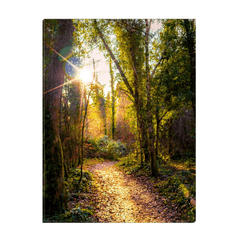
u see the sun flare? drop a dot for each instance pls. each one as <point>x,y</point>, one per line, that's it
<point>85,76</point>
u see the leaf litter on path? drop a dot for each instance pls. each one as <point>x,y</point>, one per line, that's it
<point>122,198</point>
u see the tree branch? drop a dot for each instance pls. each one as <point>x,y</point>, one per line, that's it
<point>154,70</point>
<point>126,93</point>
<point>114,60</point>
<point>160,119</point>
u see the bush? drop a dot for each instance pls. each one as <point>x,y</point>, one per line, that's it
<point>104,148</point>
<point>112,150</point>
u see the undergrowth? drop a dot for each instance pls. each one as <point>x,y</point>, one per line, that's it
<point>103,147</point>
<point>132,166</point>
<point>176,182</point>
<point>76,212</point>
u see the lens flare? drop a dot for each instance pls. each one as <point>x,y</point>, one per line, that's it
<point>85,76</point>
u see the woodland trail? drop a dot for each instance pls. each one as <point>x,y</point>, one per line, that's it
<point>122,198</point>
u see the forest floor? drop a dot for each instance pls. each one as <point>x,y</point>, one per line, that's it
<point>118,197</point>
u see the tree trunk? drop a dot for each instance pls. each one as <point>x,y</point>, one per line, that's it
<point>151,133</point>
<point>189,27</point>
<point>146,135</point>
<point>140,143</point>
<point>143,133</point>
<point>82,130</point>
<point>157,131</point>
<point>113,100</point>
<point>53,185</point>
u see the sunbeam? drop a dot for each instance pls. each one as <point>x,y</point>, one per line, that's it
<point>83,74</point>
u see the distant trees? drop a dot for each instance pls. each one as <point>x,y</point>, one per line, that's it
<point>97,118</point>
<point>125,121</point>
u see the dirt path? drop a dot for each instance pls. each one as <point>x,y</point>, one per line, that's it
<point>123,198</point>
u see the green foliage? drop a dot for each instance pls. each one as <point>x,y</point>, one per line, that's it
<point>137,53</point>
<point>71,183</point>
<point>131,165</point>
<point>177,184</point>
<point>171,88</point>
<point>50,34</point>
<point>73,190</point>
<point>127,161</point>
<point>112,150</point>
<point>179,187</point>
<point>74,215</point>
<point>106,148</point>
<point>174,190</point>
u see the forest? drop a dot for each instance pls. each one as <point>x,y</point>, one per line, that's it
<point>119,120</point>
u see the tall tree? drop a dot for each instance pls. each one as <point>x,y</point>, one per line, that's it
<point>130,44</point>
<point>174,90</point>
<point>190,43</point>
<point>56,37</point>
<point>151,133</point>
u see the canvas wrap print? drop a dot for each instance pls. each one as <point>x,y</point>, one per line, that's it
<point>119,120</point>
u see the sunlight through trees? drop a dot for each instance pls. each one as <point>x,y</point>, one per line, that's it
<point>144,109</point>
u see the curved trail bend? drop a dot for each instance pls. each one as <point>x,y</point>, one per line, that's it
<point>123,198</point>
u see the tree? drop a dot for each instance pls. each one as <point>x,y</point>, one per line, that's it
<point>113,100</point>
<point>130,39</point>
<point>82,127</point>
<point>56,37</point>
<point>190,43</point>
<point>175,88</point>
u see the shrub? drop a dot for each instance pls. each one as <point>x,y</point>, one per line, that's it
<point>104,148</point>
